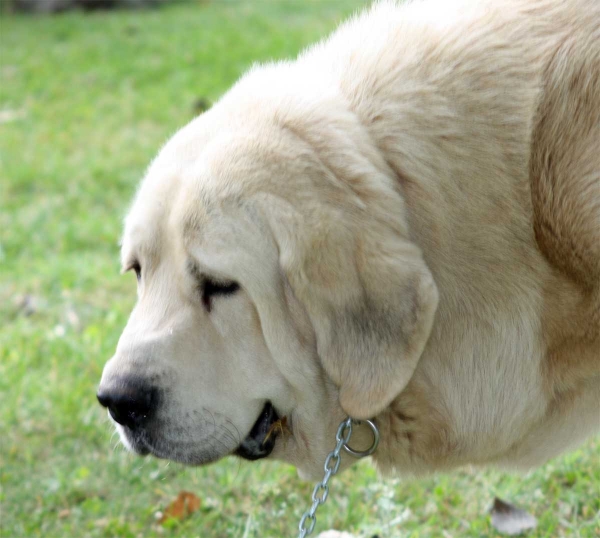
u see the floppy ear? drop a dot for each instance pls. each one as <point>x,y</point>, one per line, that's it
<point>369,295</point>
<point>372,326</point>
<point>340,224</point>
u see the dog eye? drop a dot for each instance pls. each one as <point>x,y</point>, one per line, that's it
<point>212,288</point>
<point>137,268</point>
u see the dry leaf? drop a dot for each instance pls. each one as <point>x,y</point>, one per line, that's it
<point>510,520</point>
<point>278,427</point>
<point>182,507</point>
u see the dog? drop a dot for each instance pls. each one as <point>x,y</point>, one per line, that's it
<point>402,224</point>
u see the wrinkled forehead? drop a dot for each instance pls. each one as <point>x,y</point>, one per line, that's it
<point>181,195</point>
<point>161,211</point>
<point>196,178</point>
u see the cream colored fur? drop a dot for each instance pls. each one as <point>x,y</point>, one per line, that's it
<point>412,211</point>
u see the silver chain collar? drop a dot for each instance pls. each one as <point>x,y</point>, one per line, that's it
<point>331,467</point>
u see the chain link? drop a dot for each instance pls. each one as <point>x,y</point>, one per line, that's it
<point>331,467</point>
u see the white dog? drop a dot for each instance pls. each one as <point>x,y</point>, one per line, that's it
<point>403,224</point>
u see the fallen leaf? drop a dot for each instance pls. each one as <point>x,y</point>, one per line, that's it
<point>510,520</point>
<point>182,507</point>
<point>27,304</point>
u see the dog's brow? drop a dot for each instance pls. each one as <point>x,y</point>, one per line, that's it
<point>194,270</point>
<point>132,261</point>
<point>128,260</point>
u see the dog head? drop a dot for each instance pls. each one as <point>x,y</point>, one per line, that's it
<point>276,278</point>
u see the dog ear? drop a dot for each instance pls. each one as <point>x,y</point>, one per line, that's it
<point>372,324</point>
<point>344,246</point>
<point>369,295</point>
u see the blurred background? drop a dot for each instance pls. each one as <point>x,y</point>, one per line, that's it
<point>89,91</point>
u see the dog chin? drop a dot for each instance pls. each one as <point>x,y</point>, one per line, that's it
<point>141,444</point>
<point>258,444</point>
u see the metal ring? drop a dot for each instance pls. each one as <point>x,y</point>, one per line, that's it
<point>373,447</point>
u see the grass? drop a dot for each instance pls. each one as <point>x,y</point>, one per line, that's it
<point>85,102</point>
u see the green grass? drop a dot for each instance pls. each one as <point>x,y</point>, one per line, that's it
<point>85,102</point>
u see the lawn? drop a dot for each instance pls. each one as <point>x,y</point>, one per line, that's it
<point>86,100</point>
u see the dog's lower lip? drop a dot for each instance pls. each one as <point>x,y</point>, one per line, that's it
<point>259,443</point>
<point>142,451</point>
<point>138,443</point>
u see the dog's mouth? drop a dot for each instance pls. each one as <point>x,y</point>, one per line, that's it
<point>261,440</point>
<point>258,444</point>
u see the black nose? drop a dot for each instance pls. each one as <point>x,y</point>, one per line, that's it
<point>129,403</point>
